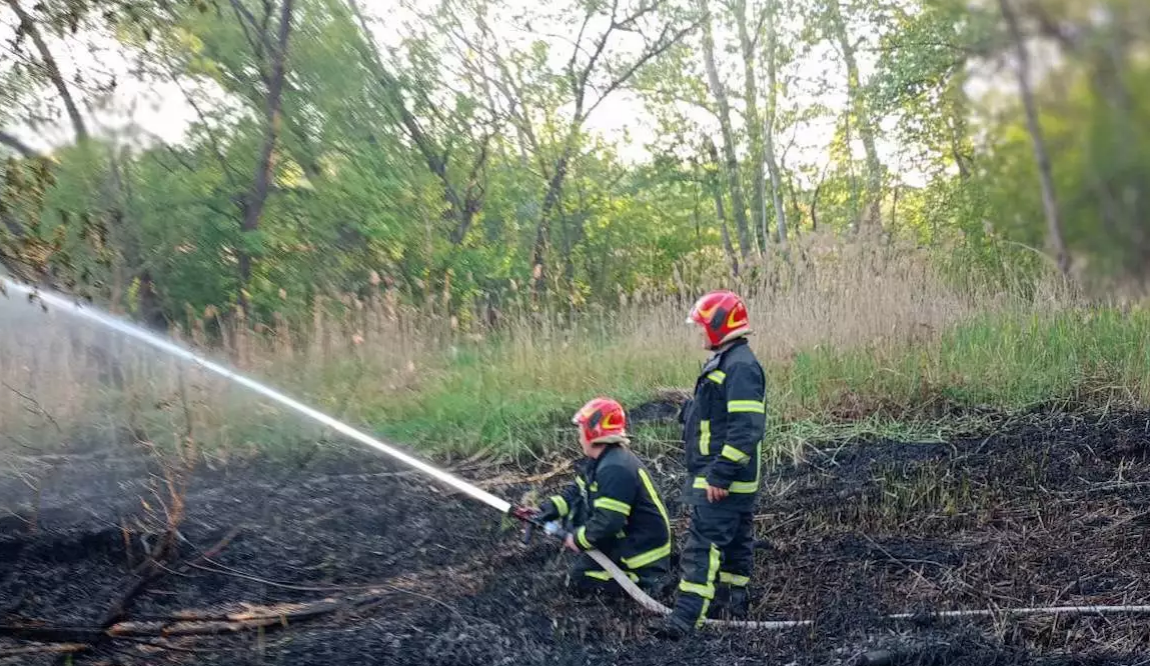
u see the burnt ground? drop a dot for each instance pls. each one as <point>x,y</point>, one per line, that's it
<point>1053,508</point>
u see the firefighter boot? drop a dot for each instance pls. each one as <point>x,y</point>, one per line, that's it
<point>718,606</point>
<point>671,627</point>
<point>739,603</point>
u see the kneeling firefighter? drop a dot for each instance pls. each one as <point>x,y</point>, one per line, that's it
<point>612,506</point>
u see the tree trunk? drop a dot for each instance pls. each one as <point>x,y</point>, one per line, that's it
<point>254,202</point>
<point>815,199</point>
<point>574,231</point>
<point>957,105</point>
<point>894,208</point>
<point>16,144</point>
<point>754,126</point>
<point>872,215</point>
<point>769,124</point>
<point>1038,141</point>
<point>28,25</point>
<point>543,229</point>
<point>149,309</point>
<point>712,184</point>
<point>731,172</point>
<point>794,201</point>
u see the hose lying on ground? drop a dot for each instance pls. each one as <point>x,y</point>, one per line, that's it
<point>650,604</point>
<point>654,606</point>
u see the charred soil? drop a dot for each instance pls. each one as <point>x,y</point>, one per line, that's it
<point>341,558</point>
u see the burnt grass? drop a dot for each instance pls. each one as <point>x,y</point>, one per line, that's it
<point>1048,509</point>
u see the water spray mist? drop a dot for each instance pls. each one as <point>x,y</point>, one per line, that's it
<point>72,307</point>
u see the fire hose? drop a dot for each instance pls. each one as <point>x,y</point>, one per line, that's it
<point>645,600</point>
<point>552,528</point>
<point>74,308</point>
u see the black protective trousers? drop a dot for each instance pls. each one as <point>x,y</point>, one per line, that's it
<point>587,575</point>
<point>720,551</point>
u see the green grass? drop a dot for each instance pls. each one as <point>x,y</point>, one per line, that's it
<point>514,398</point>
<point>517,402</point>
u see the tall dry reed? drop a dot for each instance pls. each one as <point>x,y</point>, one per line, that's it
<point>369,358</point>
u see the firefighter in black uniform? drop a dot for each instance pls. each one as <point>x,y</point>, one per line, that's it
<point>612,506</point>
<point>723,430</point>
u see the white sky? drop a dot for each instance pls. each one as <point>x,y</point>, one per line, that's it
<point>160,109</point>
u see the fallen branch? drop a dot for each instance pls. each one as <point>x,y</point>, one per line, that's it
<point>195,622</point>
<point>55,648</point>
<point>46,634</point>
<point>161,644</point>
<point>153,570</point>
<point>91,637</point>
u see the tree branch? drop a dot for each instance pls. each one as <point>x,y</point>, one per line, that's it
<point>627,23</point>
<point>759,28</point>
<point>245,17</point>
<point>35,406</point>
<point>16,144</point>
<point>578,44</point>
<point>579,84</point>
<point>28,25</point>
<point>660,47</point>
<point>393,100</point>
<point>226,166</point>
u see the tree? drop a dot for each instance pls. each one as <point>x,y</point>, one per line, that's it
<point>754,121</point>
<point>579,72</point>
<point>464,194</point>
<point>731,172</point>
<point>452,162</point>
<point>769,119</point>
<point>274,54</point>
<point>712,182</point>
<point>860,112</point>
<point>1038,141</point>
<point>47,64</point>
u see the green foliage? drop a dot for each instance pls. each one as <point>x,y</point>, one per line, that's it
<point>448,163</point>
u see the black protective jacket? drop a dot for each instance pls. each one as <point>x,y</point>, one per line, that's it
<point>615,508</point>
<point>723,428</point>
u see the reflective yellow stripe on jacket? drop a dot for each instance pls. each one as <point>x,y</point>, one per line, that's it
<point>655,554</point>
<point>742,487</point>
<point>612,505</point>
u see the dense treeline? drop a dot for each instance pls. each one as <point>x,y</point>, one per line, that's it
<point>451,153</point>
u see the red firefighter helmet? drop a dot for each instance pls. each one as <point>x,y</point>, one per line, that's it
<point>722,315</point>
<point>601,420</point>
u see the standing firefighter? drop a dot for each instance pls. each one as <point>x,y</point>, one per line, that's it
<point>612,506</point>
<point>723,428</point>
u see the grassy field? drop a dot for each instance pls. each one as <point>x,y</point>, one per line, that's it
<point>865,343</point>
<point>1007,361</point>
